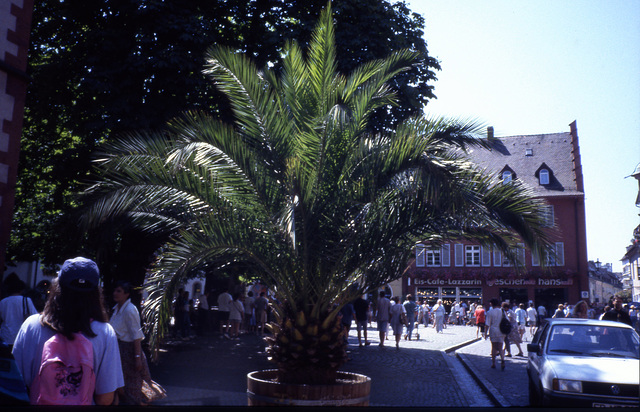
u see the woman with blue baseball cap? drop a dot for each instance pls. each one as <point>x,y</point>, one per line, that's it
<point>74,311</point>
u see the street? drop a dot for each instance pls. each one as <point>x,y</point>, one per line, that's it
<point>433,371</point>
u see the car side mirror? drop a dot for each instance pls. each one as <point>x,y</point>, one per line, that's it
<point>533,348</point>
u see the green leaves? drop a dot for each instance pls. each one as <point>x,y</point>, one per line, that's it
<point>300,190</point>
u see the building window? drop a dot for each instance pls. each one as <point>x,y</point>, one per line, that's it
<point>548,216</point>
<point>519,254</point>
<point>544,177</point>
<point>506,177</point>
<point>433,257</point>
<point>420,255</point>
<point>472,255</point>
<point>555,255</point>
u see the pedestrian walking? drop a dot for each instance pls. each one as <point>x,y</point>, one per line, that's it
<point>382,316</point>
<point>559,313</point>
<point>521,320</point>
<point>14,309</point>
<point>398,319</point>
<point>617,313</point>
<point>513,337</point>
<point>236,314</point>
<point>480,316</point>
<point>203,313</point>
<point>249,316</point>
<point>361,307</point>
<point>348,313</point>
<point>261,306</point>
<point>580,310</point>
<point>438,313</point>
<point>494,316</point>
<point>532,318</point>
<point>224,300</point>
<point>139,388</point>
<point>410,309</point>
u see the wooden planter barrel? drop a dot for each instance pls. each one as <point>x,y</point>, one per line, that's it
<point>351,389</point>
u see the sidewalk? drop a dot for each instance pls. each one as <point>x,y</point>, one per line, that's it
<point>209,371</point>
<point>507,388</point>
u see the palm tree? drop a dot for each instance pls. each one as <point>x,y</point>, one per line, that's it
<point>301,192</point>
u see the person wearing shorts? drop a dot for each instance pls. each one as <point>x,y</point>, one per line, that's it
<point>382,316</point>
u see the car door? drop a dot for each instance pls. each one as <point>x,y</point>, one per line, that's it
<point>536,358</point>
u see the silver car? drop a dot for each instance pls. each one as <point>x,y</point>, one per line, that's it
<point>584,363</point>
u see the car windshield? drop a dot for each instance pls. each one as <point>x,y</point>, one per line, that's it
<point>593,340</point>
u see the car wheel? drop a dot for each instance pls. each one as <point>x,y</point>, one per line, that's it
<point>534,398</point>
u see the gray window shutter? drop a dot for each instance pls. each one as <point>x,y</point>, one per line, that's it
<point>459,252</point>
<point>420,253</point>
<point>497,258</point>
<point>446,255</point>
<point>486,256</point>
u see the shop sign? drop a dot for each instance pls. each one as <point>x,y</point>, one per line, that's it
<point>448,282</point>
<point>493,282</point>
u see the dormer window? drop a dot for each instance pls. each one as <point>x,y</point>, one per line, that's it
<point>544,177</point>
<point>507,175</point>
<point>544,174</point>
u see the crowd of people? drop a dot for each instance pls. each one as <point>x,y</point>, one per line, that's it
<point>75,320</point>
<point>73,352</point>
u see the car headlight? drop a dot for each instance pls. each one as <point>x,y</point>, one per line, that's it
<point>565,385</point>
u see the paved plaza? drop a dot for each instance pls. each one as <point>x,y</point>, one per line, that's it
<point>432,371</point>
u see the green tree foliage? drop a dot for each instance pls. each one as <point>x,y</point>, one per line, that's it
<point>301,190</point>
<point>103,67</point>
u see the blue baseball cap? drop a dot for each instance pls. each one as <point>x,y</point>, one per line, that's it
<point>79,274</point>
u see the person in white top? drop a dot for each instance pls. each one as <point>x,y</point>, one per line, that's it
<point>224,299</point>
<point>203,313</point>
<point>532,318</point>
<point>138,388</point>
<point>14,309</point>
<point>494,316</point>
<point>382,316</point>
<point>236,313</point>
<point>249,319</point>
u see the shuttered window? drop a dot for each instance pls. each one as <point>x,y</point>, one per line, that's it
<point>459,254</point>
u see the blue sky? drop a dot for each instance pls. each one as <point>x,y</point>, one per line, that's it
<point>531,67</point>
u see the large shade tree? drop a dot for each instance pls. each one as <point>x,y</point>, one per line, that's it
<point>302,193</point>
<point>102,67</point>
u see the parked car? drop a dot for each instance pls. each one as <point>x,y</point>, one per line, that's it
<point>584,363</point>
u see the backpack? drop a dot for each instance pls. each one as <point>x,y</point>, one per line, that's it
<point>505,325</point>
<point>66,375</point>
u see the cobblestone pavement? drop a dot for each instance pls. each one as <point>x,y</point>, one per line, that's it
<point>427,372</point>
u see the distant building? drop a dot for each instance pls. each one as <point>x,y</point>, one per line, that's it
<point>631,259</point>
<point>603,283</point>
<point>460,270</point>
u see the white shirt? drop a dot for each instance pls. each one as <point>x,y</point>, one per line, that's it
<point>532,314</point>
<point>542,311</point>
<point>203,303</point>
<point>126,322</point>
<point>224,299</point>
<point>236,310</point>
<point>12,314</point>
